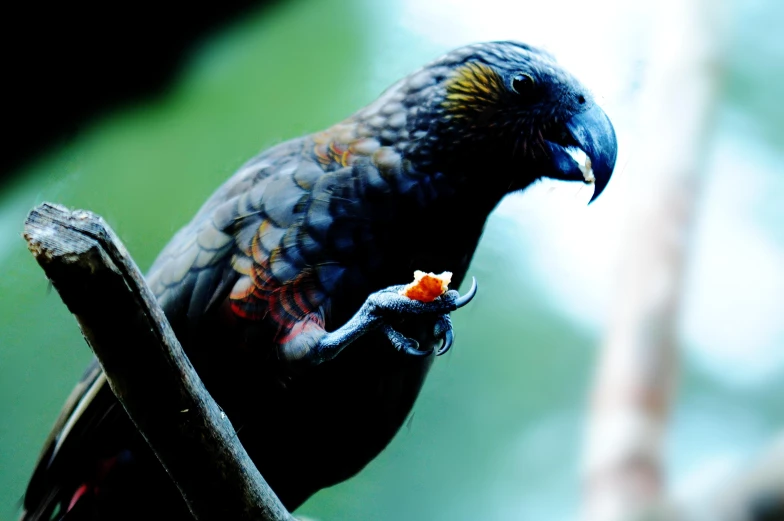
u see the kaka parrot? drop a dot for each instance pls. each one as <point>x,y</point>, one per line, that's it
<point>282,289</point>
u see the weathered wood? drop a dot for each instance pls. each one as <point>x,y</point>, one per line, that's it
<point>146,366</point>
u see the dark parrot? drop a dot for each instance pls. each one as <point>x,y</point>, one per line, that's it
<point>283,289</point>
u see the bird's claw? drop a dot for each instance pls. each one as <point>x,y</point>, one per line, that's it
<point>468,297</point>
<point>376,312</point>
<point>402,343</point>
<point>391,301</point>
<point>443,329</point>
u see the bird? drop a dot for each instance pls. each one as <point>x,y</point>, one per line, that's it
<point>285,287</point>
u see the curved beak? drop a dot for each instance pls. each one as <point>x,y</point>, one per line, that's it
<point>589,156</point>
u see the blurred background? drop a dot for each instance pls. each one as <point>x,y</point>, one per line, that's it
<point>499,429</point>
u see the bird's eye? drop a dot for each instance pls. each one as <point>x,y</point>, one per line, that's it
<point>522,83</point>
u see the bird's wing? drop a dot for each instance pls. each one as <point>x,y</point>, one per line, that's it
<point>241,251</point>
<point>230,254</point>
<point>42,493</point>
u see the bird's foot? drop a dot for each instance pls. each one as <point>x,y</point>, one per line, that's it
<point>385,307</point>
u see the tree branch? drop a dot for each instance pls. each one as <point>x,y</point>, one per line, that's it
<point>638,366</point>
<point>146,366</point>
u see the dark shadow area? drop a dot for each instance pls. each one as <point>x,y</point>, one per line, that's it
<point>65,63</point>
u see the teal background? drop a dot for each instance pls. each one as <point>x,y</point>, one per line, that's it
<point>497,431</point>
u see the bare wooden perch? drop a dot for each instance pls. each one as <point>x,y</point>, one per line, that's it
<point>128,332</point>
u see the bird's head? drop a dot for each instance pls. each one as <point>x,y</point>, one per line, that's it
<point>502,110</point>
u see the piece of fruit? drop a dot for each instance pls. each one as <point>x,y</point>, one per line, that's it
<point>427,286</point>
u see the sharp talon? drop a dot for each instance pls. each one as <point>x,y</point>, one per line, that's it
<point>403,343</point>
<point>449,339</point>
<point>413,349</point>
<point>468,297</point>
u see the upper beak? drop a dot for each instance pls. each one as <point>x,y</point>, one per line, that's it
<point>591,156</point>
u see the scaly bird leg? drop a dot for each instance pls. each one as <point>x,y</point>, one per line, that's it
<point>378,310</point>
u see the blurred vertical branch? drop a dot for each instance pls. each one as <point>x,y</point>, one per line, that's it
<point>624,475</point>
